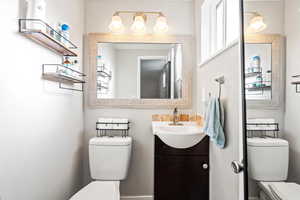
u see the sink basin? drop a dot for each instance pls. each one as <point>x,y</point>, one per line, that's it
<point>182,136</point>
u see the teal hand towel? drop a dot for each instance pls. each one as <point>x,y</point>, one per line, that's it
<point>213,126</point>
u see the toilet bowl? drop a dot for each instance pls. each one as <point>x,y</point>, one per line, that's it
<point>268,166</point>
<point>279,191</point>
<point>109,162</point>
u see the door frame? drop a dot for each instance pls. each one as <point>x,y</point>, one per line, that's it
<point>243,103</point>
<point>139,63</point>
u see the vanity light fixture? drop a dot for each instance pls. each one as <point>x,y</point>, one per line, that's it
<point>256,23</point>
<point>161,25</point>
<point>139,27</point>
<point>116,25</point>
<point>139,23</point>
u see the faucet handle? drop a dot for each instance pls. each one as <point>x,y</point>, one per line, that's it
<point>175,110</point>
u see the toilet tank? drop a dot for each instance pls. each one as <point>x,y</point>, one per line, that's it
<point>109,157</point>
<point>268,159</point>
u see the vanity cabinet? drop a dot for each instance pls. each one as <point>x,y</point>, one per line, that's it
<point>181,174</point>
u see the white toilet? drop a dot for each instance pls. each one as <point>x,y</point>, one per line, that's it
<point>109,162</point>
<point>268,160</point>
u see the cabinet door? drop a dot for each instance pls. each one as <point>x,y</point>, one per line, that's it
<point>181,178</point>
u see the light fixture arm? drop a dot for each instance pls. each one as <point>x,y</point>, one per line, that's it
<point>138,12</point>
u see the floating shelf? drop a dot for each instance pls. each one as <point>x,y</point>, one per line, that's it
<point>259,88</point>
<point>102,128</point>
<point>55,72</point>
<point>252,74</point>
<point>104,74</point>
<point>263,129</point>
<point>40,32</point>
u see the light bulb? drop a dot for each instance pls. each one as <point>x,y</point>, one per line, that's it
<point>116,26</point>
<point>161,25</point>
<point>138,26</point>
<point>257,24</point>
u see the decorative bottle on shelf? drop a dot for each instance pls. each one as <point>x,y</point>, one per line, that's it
<point>59,32</point>
<point>68,64</point>
<point>268,79</point>
<point>259,81</point>
<point>256,63</point>
<point>65,33</point>
<point>100,63</point>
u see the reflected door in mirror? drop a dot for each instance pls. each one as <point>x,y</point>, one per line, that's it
<point>139,71</point>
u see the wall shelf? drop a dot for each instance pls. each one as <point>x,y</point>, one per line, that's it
<point>59,73</point>
<point>259,88</point>
<point>252,74</point>
<point>104,74</point>
<point>40,32</point>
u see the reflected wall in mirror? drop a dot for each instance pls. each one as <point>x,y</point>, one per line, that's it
<point>271,75</point>
<point>139,71</point>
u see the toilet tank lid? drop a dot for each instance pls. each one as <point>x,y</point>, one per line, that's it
<point>111,141</point>
<point>267,142</point>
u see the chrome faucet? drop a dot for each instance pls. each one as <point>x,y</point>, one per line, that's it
<point>175,118</point>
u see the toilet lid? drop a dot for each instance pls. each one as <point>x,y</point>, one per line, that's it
<point>108,190</point>
<point>281,190</point>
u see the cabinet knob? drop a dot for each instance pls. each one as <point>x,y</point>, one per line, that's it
<point>205,166</point>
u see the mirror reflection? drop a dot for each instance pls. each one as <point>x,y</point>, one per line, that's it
<point>272,36</point>
<point>258,73</point>
<point>139,71</point>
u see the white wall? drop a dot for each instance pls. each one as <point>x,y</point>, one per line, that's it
<point>180,19</point>
<point>127,70</point>
<point>224,184</point>
<point>41,126</point>
<point>292,127</point>
<point>272,11</point>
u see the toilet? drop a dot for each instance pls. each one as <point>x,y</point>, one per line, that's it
<point>109,159</point>
<point>268,160</point>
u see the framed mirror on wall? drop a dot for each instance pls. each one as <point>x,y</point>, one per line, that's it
<point>141,72</point>
<point>271,73</point>
<point>264,70</point>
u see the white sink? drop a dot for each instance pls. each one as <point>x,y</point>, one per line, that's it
<point>181,136</point>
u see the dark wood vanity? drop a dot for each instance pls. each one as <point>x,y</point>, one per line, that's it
<point>181,174</point>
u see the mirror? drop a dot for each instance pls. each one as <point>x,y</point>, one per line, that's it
<point>264,70</point>
<point>271,71</point>
<point>139,71</point>
<point>258,72</point>
<point>150,71</point>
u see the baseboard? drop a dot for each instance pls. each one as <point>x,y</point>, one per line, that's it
<point>253,198</point>
<point>146,197</point>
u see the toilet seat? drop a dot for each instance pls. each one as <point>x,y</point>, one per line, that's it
<point>108,190</point>
<point>285,190</point>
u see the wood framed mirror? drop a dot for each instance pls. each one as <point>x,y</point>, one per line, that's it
<point>264,70</point>
<point>127,71</point>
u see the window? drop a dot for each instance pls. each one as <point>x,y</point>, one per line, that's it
<point>219,26</point>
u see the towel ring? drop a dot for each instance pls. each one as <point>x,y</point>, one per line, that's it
<point>221,81</point>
